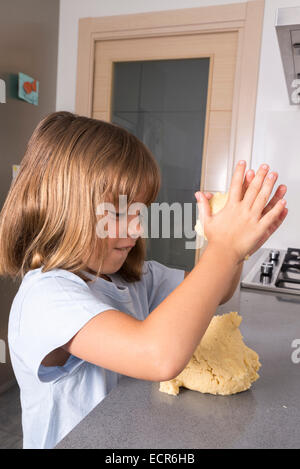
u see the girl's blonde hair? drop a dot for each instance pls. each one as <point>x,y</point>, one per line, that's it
<point>72,164</point>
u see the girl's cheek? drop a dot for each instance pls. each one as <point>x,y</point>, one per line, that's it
<point>116,229</point>
<point>136,228</point>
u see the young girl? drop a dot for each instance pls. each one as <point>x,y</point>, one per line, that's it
<point>81,316</point>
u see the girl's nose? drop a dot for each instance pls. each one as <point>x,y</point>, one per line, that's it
<point>135,228</point>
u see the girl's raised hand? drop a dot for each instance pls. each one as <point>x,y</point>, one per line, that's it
<point>279,194</point>
<point>247,220</point>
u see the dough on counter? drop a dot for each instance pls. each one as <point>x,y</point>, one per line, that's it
<point>221,364</point>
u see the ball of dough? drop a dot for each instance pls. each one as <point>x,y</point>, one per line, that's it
<point>221,364</point>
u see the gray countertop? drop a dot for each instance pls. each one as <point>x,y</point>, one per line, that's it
<point>136,415</point>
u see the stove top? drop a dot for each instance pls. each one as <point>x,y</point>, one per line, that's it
<point>276,270</point>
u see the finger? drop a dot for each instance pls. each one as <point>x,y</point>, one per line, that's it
<point>255,185</point>
<point>235,191</point>
<point>248,179</point>
<point>264,194</point>
<point>249,176</point>
<point>208,195</point>
<point>283,215</point>
<point>279,221</point>
<point>204,210</point>
<point>276,224</point>
<point>271,230</point>
<point>279,194</point>
<point>273,215</point>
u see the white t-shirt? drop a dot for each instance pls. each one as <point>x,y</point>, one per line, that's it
<point>48,310</point>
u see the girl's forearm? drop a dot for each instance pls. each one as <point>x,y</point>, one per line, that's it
<point>180,321</point>
<point>234,285</point>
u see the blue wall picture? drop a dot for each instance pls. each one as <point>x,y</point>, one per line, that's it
<point>28,89</point>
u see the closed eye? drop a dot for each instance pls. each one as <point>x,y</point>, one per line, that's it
<point>117,214</point>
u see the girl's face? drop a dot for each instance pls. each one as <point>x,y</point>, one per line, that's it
<point>123,230</point>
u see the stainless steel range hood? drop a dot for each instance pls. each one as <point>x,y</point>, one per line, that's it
<point>288,34</point>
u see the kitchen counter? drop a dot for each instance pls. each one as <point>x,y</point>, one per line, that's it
<point>136,415</point>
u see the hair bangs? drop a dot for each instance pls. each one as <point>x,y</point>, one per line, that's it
<point>136,175</point>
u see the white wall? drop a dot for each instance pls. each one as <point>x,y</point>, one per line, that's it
<point>277,125</point>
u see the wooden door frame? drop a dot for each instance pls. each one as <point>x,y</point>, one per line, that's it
<point>245,18</point>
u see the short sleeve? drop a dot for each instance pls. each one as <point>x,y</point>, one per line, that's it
<point>161,281</point>
<point>54,309</point>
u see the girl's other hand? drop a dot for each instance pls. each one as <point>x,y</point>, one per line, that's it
<point>247,220</point>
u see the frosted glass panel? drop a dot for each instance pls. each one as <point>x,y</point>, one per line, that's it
<point>163,103</point>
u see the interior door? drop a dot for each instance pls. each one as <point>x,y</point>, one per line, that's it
<point>175,93</point>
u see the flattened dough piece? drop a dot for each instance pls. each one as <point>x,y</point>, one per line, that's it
<point>221,364</point>
<point>216,203</point>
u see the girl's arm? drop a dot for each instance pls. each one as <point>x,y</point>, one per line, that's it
<point>159,347</point>
<point>180,321</point>
<point>237,230</point>
<point>232,287</point>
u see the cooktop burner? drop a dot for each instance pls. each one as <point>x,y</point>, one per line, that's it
<point>276,270</point>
